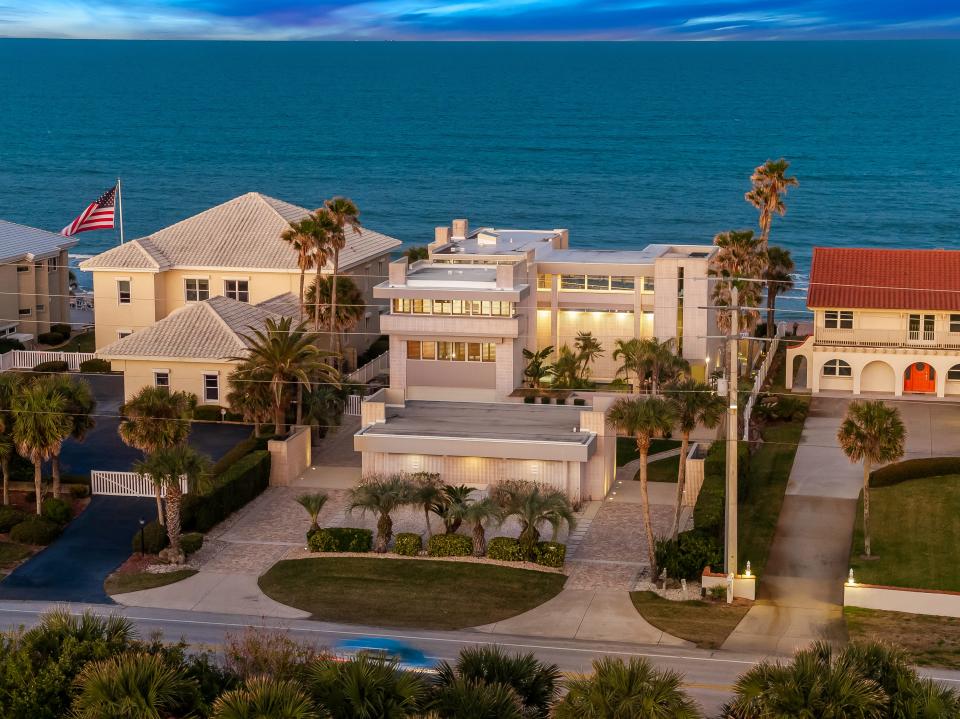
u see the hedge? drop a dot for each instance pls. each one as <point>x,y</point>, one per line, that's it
<point>9,518</point>
<point>708,513</point>
<point>61,328</point>
<point>449,545</point>
<point>154,538</point>
<point>35,530</point>
<point>550,554</point>
<point>56,510</point>
<point>51,338</point>
<point>241,482</point>
<point>95,366</point>
<point>505,549</point>
<point>8,345</point>
<point>191,542</point>
<point>212,413</point>
<point>409,544</point>
<point>686,557</point>
<point>914,469</point>
<point>239,451</point>
<point>340,539</point>
<point>53,366</point>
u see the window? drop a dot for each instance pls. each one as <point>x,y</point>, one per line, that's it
<point>402,306</point>
<point>473,351</point>
<point>422,307</point>
<point>459,351</point>
<point>444,350</point>
<point>836,368</point>
<point>123,333</point>
<point>41,308</point>
<point>648,284</point>
<point>428,350</point>
<point>955,323</point>
<point>25,312</point>
<point>489,352</point>
<point>442,307</point>
<point>211,387</point>
<point>598,282</point>
<point>544,282</point>
<point>573,282</point>
<point>413,350</point>
<point>197,290</point>
<point>838,319</point>
<point>123,292</point>
<point>23,268</point>
<point>238,290</point>
<point>621,284</point>
<point>954,372</point>
<point>161,379</point>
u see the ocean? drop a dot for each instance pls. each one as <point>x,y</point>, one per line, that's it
<point>623,143</point>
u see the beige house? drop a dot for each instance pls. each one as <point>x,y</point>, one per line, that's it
<point>886,322</point>
<point>233,250</point>
<point>35,277</point>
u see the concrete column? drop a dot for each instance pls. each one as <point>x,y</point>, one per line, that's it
<point>857,376</point>
<point>555,310</point>
<point>789,369</point>
<point>941,381</point>
<point>813,370</point>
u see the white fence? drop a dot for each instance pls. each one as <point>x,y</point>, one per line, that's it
<point>28,359</point>
<point>376,366</point>
<point>353,405</point>
<point>758,384</point>
<point>126,484</point>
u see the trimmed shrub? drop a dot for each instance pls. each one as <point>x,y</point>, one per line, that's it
<point>95,366</point>
<point>51,338</point>
<point>239,451</point>
<point>53,366</point>
<point>549,554</point>
<point>232,489</point>
<point>56,510</point>
<point>8,345</point>
<point>211,413</point>
<point>708,514</point>
<point>561,400</point>
<point>914,469</point>
<point>529,400</point>
<point>544,400</point>
<point>61,328</point>
<point>687,557</point>
<point>79,491</point>
<point>191,542</point>
<point>35,530</point>
<point>449,545</point>
<point>154,538</point>
<point>9,518</point>
<point>409,544</point>
<point>340,539</point>
<point>579,402</point>
<point>505,549</point>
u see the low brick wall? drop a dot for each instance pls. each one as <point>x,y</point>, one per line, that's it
<point>899,599</point>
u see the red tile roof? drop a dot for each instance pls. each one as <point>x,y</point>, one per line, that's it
<point>884,279</point>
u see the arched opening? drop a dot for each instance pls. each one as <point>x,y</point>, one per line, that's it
<point>920,377</point>
<point>800,372</point>
<point>878,376</point>
<point>953,380</point>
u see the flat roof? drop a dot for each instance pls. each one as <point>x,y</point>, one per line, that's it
<point>481,420</point>
<point>433,275</point>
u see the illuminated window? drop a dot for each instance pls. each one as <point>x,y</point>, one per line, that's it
<point>622,284</point>
<point>573,282</point>
<point>413,350</point>
<point>598,282</point>
<point>489,352</point>
<point>473,351</point>
<point>544,282</point>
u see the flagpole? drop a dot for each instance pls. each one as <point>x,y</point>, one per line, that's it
<point>120,209</point>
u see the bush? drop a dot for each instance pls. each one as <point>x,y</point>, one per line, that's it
<point>544,400</point>
<point>686,557</point>
<point>53,366</point>
<point>56,510</point>
<point>561,400</point>
<point>914,469</point>
<point>191,542</point>
<point>61,328</point>
<point>340,539</point>
<point>35,530</point>
<point>239,451</point>
<point>550,554</point>
<point>51,338</point>
<point>409,544</point>
<point>8,345</point>
<point>95,366</point>
<point>505,549</point>
<point>9,518</point>
<point>154,538</point>
<point>579,402</point>
<point>449,545</point>
<point>529,400</point>
<point>708,514</point>
<point>79,491</point>
<point>209,413</point>
<point>232,489</point>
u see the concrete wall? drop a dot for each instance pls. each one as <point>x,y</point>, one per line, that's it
<point>895,599</point>
<point>289,457</point>
<point>743,587</point>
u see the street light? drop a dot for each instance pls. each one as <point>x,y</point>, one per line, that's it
<point>142,548</point>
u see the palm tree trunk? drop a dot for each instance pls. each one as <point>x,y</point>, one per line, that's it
<point>317,299</point>
<point>160,517</point>
<point>645,503</point>
<point>681,481</point>
<point>55,471</point>
<point>384,532</point>
<point>173,520</point>
<point>771,309</point>
<point>5,464</point>
<point>278,419</point>
<point>299,402</point>
<point>426,516</point>
<point>866,507</point>
<point>303,308</point>
<point>333,301</point>
<point>479,540</point>
<point>37,482</point>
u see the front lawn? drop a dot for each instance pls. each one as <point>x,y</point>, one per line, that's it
<point>122,582</point>
<point>930,641</point>
<point>12,554</point>
<point>85,342</point>
<point>627,448</point>
<point>915,532</point>
<point>664,470</point>
<point>408,593</point>
<point>706,624</point>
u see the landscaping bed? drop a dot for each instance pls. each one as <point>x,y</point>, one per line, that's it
<point>705,623</point>
<point>426,594</point>
<point>930,641</point>
<point>133,575</point>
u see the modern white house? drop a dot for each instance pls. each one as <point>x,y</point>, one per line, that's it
<point>886,322</point>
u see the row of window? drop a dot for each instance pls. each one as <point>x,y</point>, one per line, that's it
<point>452,351</point>
<point>211,384</point>
<point>475,308</point>
<point>195,290</point>
<point>595,283</point>
<point>843,320</point>
<point>50,265</point>
<point>841,368</point>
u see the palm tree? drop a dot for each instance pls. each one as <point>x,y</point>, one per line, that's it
<point>778,279</point>
<point>321,228</point>
<point>644,419</point>
<point>346,313</point>
<point>265,698</point>
<point>300,237</point>
<point>417,252</point>
<point>770,184</point>
<point>533,506</point>
<point>10,383</point>
<point>381,496</point>
<point>40,424</point>
<point>156,419</point>
<point>632,689</point>
<point>589,349</point>
<point>367,688</point>
<point>344,216</point>
<point>476,514</point>
<point>872,433</point>
<point>452,505</point>
<point>665,366</point>
<point>739,262</point>
<point>252,398</point>
<point>285,353</point>
<point>134,686</point>
<point>566,370</point>
<point>323,407</point>
<point>469,699</point>
<point>537,369</point>
<point>694,404</point>
<point>633,364</point>
<point>80,408</point>
<point>313,503</point>
<point>427,493</point>
<point>167,467</point>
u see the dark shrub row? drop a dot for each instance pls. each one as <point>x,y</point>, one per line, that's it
<point>340,539</point>
<point>95,366</point>
<point>234,488</point>
<point>914,469</point>
<point>686,557</point>
<point>708,512</point>
<point>52,366</point>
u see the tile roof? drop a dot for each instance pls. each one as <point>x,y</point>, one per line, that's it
<point>241,233</point>
<point>18,241</point>
<point>885,279</point>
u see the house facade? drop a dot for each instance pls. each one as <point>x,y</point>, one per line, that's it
<point>35,277</point>
<point>886,322</point>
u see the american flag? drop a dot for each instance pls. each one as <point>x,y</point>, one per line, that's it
<point>97,216</point>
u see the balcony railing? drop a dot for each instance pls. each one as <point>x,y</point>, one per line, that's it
<point>917,339</point>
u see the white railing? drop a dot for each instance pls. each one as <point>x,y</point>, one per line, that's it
<point>353,405</point>
<point>127,484</point>
<point>376,366</point>
<point>28,359</point>
<point>880,338</point>
<point>758,384</point>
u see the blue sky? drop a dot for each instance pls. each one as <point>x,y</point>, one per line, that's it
<point>481,19</point>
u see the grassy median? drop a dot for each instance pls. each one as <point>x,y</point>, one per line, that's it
<point>706,624</point>
<point>930,641</point>
<point>121,583</point>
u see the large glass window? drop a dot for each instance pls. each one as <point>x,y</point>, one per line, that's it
<point>238,290</point>
<point>836,368</point>
<point>123,292</point>
<point>648,284</point>
<point>413,350</point>
<point>622,283</point>
<point>598,282</point>
<point>444,350</point>
<point>460,351</point>
<point>451,351</point>
<point>544,282</point>
<point>489,352</point>
<point>197,290</point>
<point>573,282</point>
<point>955,323</point>
<point>838,319</point>
<point>428,350</point>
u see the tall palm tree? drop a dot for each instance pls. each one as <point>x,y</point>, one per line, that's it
<point>694,404</point>
<point>534,505</point>
<point>300,237</point>
<point>10,384</point>
<point>769,186</point>
<point>252,398</point>
<point>589,349</point>
<point>266,698</point>
<point>416,252</point>
<point>134,686</point>
<point>284,353</point>
<point>322,227</point>
<point>664,364</point>
<point>632,356</point>
<point>80,408</point>
<point>644,419</point>
<point>538,368</point>
<point>166,467</point>
<point>323,407</point>
<point>345,216</point>
<point>156,419</point>
<point>314,504</point>
<point>427,493</point>
<point>872,433</point>
<point>632,689</point>
<point>778,279</point>
<point>367,688</point>
<point>346,313</point>
<point>476,514</point>
<point>381,496</point>
<point>739,262</point>
<point>40,424</point>
<point>566,370</point>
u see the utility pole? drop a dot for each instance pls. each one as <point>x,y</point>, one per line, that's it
<point>730,539</point>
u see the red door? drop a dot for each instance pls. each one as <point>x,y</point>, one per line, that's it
<point>920,377</point>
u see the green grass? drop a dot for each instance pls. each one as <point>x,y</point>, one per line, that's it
<point>85,342</point>
<point>706,624</point>
<point>915,531</point>
<point>12,553</point>
<point>664,470</point>
<point>627,448</point>
<point>135,581</point>
<point>930,641</point>
<point>407,593</point>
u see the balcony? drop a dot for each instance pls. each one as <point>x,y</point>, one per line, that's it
<point>915,339</point>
